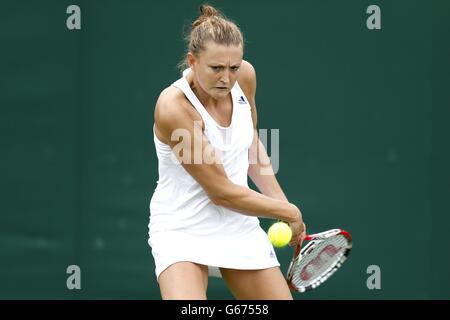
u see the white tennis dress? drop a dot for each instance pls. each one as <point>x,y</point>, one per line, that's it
<point>185,225</point>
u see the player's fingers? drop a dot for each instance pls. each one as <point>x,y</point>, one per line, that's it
<point>298,236</point>
<point>297,230</point>
<point>303,235</point>
<point>294,240</point>
<point>302,238</point>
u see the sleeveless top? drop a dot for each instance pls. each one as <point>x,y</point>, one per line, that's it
<point>179,202</point>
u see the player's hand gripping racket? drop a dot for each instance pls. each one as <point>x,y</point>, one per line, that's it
<point>319,258</point>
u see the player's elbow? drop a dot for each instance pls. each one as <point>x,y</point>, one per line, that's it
<point>224,201</point>
<point>223,195</point>
<point>218,201</point>
<point>219,198</point>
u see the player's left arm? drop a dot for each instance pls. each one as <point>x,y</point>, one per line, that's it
<point>260,169</point>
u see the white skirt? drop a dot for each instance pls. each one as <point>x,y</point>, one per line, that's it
<point>250,251</point>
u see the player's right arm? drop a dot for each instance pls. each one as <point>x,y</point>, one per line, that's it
<point>173,114</point>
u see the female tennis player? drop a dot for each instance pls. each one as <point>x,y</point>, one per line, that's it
<point>203,216</point>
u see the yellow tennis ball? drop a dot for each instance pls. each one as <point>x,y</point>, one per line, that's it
<point>280,234</point>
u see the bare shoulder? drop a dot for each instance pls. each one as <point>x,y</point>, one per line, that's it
<point>247,79</point>
<point>248,72</point>
<point>173,111</point>
<point>172,104</point>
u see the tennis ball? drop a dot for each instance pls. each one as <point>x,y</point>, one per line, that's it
<point>280,234</point>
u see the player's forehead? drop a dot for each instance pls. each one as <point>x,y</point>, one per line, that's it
<point>220,54</point>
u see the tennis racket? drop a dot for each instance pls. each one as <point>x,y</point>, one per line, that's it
<point>319,258</point>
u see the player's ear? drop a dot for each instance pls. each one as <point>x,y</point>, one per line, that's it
<point>191,60</point>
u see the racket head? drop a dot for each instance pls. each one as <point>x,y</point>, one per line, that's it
<point>319,258</point>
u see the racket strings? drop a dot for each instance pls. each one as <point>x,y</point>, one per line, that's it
<point>319,261</point>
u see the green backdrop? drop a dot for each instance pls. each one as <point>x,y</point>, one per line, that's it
<point>363,119</point>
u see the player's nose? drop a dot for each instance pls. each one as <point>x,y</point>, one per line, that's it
<point>225,77</point>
